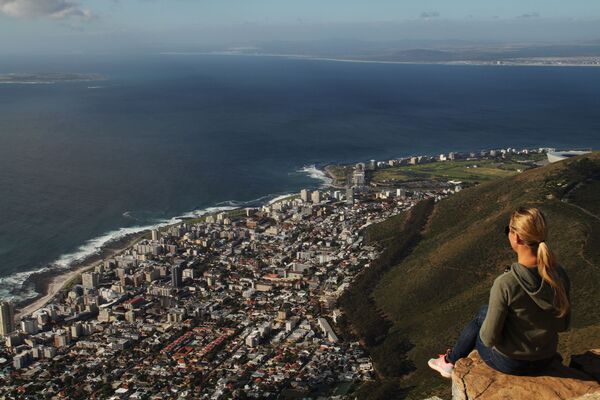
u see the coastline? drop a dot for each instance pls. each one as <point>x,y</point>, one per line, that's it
<point>335,181</point>
<point>49,283</point>
<point>524,62</point>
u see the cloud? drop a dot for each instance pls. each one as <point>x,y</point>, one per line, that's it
<point>429,14</point>
<point>58,9</point>
<point>530,15</point>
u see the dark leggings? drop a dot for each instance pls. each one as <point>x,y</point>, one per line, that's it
<point>469,339</point>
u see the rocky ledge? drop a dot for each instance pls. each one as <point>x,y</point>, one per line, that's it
<point>473,379</point>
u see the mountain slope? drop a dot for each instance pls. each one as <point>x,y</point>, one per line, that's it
<point>439,286</point>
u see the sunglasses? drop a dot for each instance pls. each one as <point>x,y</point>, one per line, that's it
<point>506,230</point>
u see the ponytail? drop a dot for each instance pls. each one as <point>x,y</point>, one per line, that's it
<point>547,267</point>
<point>530,225</point>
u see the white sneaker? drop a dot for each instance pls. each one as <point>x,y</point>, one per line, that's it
<point>441,365</point>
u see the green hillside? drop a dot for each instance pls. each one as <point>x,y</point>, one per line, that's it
<point>467,171</point>
<point>435,288</point>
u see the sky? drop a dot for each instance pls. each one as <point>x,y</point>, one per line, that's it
<point>113,25</point>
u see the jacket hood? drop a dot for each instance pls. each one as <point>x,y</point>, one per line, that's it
<point>533,284</point>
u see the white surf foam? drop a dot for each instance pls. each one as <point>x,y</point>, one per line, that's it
<point>201,213</point>
<point>315,173</point>
<point>279,198</point>
<point>13,286</point>
<point>268,199</point>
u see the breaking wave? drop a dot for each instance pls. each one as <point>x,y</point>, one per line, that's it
<point>316,173</point>
<point>17,288</point>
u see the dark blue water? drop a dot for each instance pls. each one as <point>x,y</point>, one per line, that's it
<point>168,134</point>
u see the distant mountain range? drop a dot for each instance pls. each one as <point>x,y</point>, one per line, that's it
<point>422,51</point>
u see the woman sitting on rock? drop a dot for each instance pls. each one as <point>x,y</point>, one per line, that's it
<point>517,333</point>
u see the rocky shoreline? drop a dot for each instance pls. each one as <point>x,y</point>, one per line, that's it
<point>50,282</point>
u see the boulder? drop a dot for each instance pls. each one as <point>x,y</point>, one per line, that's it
<point>589,396</point>
<point>473,379</point>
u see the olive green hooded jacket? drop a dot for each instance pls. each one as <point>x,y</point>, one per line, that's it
<point>521,320</point>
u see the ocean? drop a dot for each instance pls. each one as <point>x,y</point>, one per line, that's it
<point>171,135</point>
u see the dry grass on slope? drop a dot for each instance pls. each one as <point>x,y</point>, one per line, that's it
<point>434,291</point>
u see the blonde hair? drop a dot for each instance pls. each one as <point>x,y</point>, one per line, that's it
<point>530,225</point>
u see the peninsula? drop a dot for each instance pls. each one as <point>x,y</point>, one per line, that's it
<point>47,78</point>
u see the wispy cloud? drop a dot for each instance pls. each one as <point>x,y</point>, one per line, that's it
<point>429,14</point>
<point>58,9</point>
